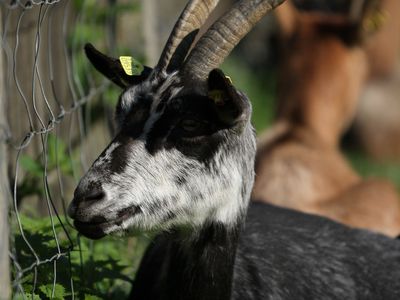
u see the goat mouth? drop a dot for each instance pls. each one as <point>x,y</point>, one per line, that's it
<point>97,229</point>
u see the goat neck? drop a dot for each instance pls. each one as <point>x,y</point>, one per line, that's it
<point>320,80</point>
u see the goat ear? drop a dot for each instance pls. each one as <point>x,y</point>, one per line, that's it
<point>372,18</point>
<point>232,107</point>
<point>287,17</point>
<point>112,68</point>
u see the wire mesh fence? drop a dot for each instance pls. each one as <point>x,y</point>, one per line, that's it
<point>57,118</point>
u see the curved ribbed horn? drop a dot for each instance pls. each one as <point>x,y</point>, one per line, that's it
<point>185,30</point>
<point>216,44</point>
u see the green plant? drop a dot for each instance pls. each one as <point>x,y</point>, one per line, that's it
<point>56,157</point>
<point>96,270</point>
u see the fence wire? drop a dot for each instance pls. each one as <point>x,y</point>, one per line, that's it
<point>53,99</point>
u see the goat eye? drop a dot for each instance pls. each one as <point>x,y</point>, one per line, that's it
<point>190,125</point>
<point>191,128</point>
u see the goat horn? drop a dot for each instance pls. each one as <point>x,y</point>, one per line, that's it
<point>185,30</point>
<point>216,44</point>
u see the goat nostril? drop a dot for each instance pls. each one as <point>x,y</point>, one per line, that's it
<point>94,196</point>
<point>72,210</point>
<point>85,198</point>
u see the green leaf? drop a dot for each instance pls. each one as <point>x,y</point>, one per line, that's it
<point>91,297</point>
<point>27,296</point>
<point>59,291</point>
<point>32,166</point>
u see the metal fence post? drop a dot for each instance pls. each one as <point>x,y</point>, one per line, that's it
<point>5,291</point>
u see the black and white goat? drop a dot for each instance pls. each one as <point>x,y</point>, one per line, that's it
<point>182,163</point>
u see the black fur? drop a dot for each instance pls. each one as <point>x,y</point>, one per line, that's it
<point>196,269</point>
<point>272,258</point>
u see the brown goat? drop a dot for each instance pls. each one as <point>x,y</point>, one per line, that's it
<point>384,46</point>
<point>299,164</point>
<point>377,124</point>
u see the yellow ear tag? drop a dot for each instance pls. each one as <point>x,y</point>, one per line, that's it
<point>375,21</point>
<point>131,66</point>
<point>229,78</point>
<point>217,96</point>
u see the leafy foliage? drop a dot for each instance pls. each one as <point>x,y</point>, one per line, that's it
<point>57,157</point>
<point>56,292</point>
<point>98,270</point>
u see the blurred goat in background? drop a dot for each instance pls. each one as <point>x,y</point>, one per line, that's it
<point>377,123</point>
<point>299,164</point>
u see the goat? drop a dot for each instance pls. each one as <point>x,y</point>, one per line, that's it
<point>384,45</point>
<point>299,164</point>
<point>182,164</point>
<point>377,123</point>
